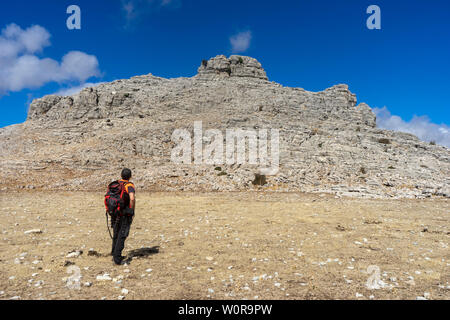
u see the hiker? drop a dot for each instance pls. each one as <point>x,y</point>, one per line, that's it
<point>120,202</point>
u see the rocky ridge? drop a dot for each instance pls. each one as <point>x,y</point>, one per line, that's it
<point>328,142</point>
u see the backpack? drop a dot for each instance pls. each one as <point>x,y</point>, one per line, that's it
<point>116,198</point>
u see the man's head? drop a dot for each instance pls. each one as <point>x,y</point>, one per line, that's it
<point>126,174</point>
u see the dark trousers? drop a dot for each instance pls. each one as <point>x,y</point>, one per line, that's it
<point>121,228</point>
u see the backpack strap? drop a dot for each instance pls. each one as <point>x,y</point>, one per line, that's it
<point>125,184</point>
<point>122,187</point>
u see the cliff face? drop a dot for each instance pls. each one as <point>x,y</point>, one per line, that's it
<point>328,143</point>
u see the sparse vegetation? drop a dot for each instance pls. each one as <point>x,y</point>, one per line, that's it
<point>363,170</point>
<point>384,141</point>
<point>259,180</point>
<point>274,224</point>
<point>433,143</point>
<point>240,60</point>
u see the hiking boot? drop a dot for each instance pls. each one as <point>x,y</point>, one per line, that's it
<point>119,260</point>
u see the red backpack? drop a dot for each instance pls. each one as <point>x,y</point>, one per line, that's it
<point>116,198</point>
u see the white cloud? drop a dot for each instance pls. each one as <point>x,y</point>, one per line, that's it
<point>241,42</point>
<point>133,9</point>
<point>22,68</point>
<point>14,40</point>
<point>129,9</point>
<point>79,66</point>
<point>74,90</point>
<point>421,127</point>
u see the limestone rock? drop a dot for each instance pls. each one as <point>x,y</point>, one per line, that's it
<point>33,231</point>
<point>328,142</point>
<point>236,66</point>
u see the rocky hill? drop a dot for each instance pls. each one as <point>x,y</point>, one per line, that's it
<point>328,142</point>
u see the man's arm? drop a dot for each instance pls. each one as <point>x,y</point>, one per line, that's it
<point>132,193</point>
<point>132,200</point>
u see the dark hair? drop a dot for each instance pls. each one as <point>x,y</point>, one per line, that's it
<point>126,174</point>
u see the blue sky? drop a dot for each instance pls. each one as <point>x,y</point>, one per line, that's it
<point>404,67</point>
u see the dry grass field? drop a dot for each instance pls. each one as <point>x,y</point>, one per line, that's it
<point>226,246</point>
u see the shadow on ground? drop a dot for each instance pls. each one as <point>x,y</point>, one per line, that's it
<point>142,252</point>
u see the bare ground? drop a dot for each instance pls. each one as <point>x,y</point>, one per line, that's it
<point>227,246</point>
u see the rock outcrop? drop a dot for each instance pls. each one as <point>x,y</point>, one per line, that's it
<point>328,142</point>
<point>236,66</point>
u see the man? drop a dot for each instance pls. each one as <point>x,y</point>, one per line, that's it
<point>121,224</point>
